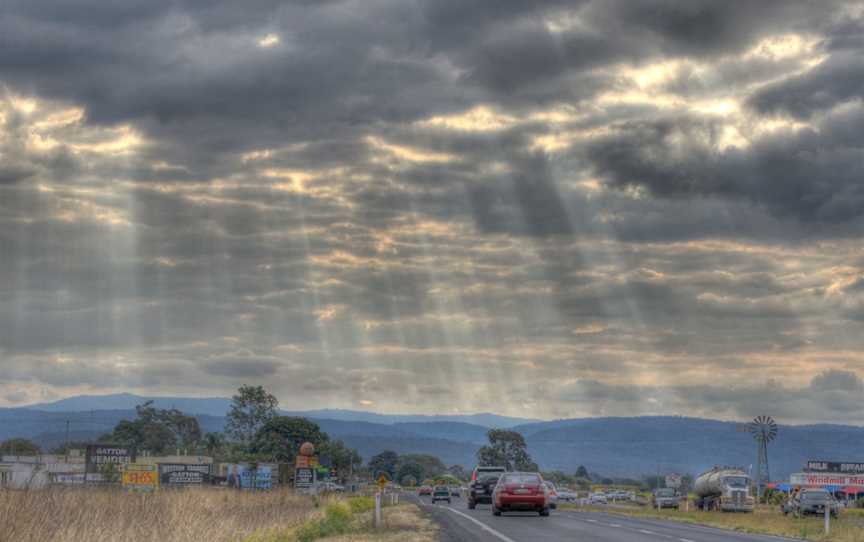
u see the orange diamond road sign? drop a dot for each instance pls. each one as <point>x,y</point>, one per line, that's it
<point>382,481</point>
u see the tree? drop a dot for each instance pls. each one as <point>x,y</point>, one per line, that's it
<point>280,438</point>
<point>250,409</point>
<point>507,449</point>
<point>582,472</point>
<point>213,444</point>
<point>386,462</point>
<point>431,465</point>
<point>458,471</point>
<point>19,446</point>
<point>408,472</point>
<point>159,431</point>
<point>342,458</point>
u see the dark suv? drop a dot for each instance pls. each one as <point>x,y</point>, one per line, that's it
<point>811,502</point>
<point>483,481</point>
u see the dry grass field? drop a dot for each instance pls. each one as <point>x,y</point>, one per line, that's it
<point>766,520</point>
<point>96,515</point>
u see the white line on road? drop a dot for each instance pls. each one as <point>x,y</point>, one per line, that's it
<point>684,540</point>
<point>646,532</point>
<point>614,524</point>
<point>482,525</point>
<point>591,521</point>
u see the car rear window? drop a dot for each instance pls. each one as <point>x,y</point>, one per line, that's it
<point>814,496</point>
<point>521,479</point>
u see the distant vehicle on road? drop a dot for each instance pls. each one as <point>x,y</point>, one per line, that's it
<point>567,495</point>
<point>811,502</point>
<point>664,497</point>
<point>483,481</point>
<point>723,488</point>
<point>441,493</point>
<point>597,498</point>
<point>553,494</point>
<point>424,490</point>
<point>520,491</point>
<point>455,492</point>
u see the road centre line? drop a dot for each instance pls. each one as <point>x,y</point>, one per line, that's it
<point>482,525</point>
<point>684,540</point>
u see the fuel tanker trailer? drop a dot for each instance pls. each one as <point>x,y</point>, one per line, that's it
<point>724,488</point>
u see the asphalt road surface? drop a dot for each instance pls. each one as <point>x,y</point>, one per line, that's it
<point>458,524</point>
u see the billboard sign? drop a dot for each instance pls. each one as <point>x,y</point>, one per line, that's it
<point>304,478</point>
<point>244,476</point>
<point>103,456</point>
<point>825,479</point>
<point>140,477</point>
<point>183,475</point>
<point>835,467</point>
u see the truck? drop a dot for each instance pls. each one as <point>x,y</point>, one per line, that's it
<point>726,489</point>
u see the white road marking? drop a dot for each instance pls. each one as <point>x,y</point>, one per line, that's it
<point>482,525</point>
<point>614,524</point>
<point>646,532</point>
<point>591,520</point>
<point>684,540</point>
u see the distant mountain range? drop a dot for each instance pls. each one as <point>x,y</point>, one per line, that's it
<point>617,447</point>
<point>218,406</point>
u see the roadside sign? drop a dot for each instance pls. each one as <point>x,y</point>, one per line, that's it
<point>673,481</point>
<point>304,478</point>
<point>140,477</point>
<point>382,481</point>
<point>180,474</point>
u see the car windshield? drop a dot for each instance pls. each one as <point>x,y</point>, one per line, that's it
<point>736,481</point>
<point>485,478</point>
<point>665,493</point>
<point>521,479</point>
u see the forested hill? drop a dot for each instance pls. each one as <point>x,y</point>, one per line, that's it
<point>609,446</point>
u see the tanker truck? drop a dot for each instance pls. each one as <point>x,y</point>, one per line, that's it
<point>724,488</point>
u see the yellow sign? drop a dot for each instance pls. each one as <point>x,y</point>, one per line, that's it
<point>382,481</point>
<point>140,477</point>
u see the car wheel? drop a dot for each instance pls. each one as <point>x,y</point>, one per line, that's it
<point>472,505</point>
<point>544,512</point>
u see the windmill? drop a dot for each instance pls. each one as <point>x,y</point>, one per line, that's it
<point>764,430</point>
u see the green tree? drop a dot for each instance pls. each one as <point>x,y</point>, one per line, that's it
<point>251,408</point>
<point>431,465</point>
<point>213,444</point>
<point>344,459</point>
<point>159,431</point>
<point>507,449</point>
<point>409,471</point>
<point>280,438</point>
<point>19,446</point>
<point>458,471</point>
<point>387,462</point>
<point>582,472</point>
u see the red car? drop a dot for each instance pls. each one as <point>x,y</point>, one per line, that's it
<point>520,491</point>
<point>425,490</point>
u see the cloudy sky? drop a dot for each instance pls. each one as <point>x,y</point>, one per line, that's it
<point>546,209</point>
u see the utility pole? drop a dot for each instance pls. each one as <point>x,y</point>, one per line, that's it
<point>66,456</point>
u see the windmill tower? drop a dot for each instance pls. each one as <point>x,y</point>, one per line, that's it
<point>764,430</point>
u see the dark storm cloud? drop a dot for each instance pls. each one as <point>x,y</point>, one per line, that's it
<point>835,81</point>
<point>812,176</point>
<point>185,206</point>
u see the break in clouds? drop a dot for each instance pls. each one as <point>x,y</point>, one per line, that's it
<point>587,208</point>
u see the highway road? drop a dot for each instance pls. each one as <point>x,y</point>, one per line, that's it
<point>458,524</point>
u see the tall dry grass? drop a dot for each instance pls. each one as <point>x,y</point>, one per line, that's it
<point>96,515</point>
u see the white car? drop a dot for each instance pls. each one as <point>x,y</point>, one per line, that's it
<point>598,498</point>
